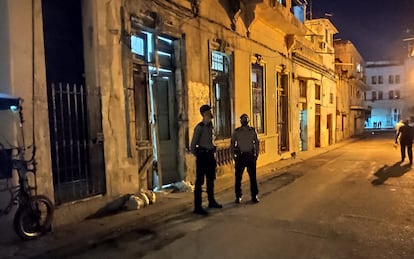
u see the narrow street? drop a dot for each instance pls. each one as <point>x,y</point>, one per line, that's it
<point>352,202</point>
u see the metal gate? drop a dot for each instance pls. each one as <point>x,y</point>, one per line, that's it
<point>76,142</point>
<point>283,114</point>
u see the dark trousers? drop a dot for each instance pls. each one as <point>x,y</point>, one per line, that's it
<point>205,167</point>
<point>409,147</point>
<point>246,160</point>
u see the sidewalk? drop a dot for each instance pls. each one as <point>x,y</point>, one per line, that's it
<point>167,206</point>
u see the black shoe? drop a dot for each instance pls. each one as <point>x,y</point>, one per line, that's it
<point>255,199</point>
<point>215,205</point>
<point>200,211</point>
<point>238,200</point>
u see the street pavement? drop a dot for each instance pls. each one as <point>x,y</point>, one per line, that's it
<point>351,200</point>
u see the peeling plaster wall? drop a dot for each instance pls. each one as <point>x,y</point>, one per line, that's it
<point>7,118</point>
<point>244,50</point>
<point>26,54</point>
<point>121,171</point>
<point>104,72</point>
<point>214,23</point>
<point>23,71</point>
<point>103,69</point>
<point>4,50</point>
<point>108,66</point>
<point>301,71</point>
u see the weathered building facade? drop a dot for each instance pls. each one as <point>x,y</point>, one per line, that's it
<point>115,87</point>
<point>313,78</point>
<point>351,86</point>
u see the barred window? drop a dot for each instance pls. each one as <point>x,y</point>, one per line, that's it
<point>317,92</point>
<point>217,61</point>
<point>258,97</point>
<point>220,64</point>
<point>302,88</point>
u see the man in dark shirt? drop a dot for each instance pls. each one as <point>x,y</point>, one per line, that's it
<point>245,149</point>
<point>202,147</point>
<point>405,133</point>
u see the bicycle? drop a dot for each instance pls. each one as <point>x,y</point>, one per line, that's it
<point>34,214</point>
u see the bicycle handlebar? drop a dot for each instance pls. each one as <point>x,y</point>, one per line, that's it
<point>21,152</point>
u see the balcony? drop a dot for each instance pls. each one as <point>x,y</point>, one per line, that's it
<point>279,16</point>
<point>306,50</point>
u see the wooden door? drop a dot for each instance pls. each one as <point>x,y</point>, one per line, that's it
<point>143,126</point>
<point>166,127</point>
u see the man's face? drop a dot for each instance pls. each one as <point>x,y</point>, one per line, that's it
<point>207,115</point>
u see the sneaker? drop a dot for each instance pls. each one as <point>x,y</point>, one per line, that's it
<point>215,205</point>
<point>200,211</point>
<point>255,199</point>
<point>238,200</point>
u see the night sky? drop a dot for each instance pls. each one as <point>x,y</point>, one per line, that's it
<point>375,27</point>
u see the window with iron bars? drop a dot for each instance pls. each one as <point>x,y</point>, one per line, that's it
<point>302,88</point>
<point>220,67</point>
<point>258,97</point>
<point>317,92</point>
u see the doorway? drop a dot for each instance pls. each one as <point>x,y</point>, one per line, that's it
<point>159,148</point>
<point>283,113</point>
<point>143,132</point>
<point>166,122</point>
<point>303,135</point>
<point>329,127</point>
<point>75,116</point>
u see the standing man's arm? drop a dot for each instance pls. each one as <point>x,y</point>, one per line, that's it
<point>233,142</point>
<point>256,144</point>
<point>195,140</point>
<point>398,134</point>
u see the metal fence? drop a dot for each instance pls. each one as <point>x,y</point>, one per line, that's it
<point>71,144</point>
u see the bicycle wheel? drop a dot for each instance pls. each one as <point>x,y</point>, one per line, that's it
<point>30,223</point>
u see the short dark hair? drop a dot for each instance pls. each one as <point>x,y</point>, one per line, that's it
<point>244,115</point>
<point>204,108</point>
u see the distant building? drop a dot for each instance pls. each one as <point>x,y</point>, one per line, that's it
<point>350,70</point>
<point>313,75</point>
<point>388,93</point>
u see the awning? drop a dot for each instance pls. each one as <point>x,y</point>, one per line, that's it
<point>7,101</point>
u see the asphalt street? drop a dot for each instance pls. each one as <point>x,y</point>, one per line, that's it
<point>356,201</point>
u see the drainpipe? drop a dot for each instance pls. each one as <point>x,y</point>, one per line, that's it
<point>33,74</point>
